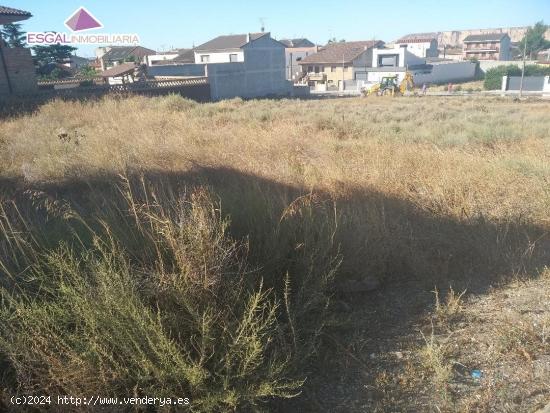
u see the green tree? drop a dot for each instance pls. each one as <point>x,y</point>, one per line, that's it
<point>334,40</point>
<point>534,40</point>
<point>54,53</point>
<point>493,76</point>
<point>13,35</point>
<point>87,71</point>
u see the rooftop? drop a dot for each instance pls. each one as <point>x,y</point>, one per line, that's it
<point>10,15</point>
<point>232,41</point>
<point>418,38</point>
<point>342,52</point>
<point>185,56</point>
<point>119,70</point>
<point>297,43</point>
<point>122,52</point>
<point>489,37</point>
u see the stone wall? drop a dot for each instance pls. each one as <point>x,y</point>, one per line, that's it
<point>20,68</point>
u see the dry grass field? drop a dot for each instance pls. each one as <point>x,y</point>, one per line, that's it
<point>342,255</point>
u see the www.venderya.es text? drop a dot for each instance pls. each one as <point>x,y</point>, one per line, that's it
<point>98,401</point>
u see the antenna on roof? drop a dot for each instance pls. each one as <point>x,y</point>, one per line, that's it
<point>262,23</point>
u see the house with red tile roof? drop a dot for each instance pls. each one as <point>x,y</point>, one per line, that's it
<point>338,62</point>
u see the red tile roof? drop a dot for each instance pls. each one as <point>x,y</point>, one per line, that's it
<point>340,52</point>
<point>119,70</point>
<point>14,12</point>
<point>418,38</point>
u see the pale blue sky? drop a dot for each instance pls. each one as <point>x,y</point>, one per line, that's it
<point>162,24</point>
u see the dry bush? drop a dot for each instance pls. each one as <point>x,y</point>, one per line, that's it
<point>301,195</point>
<point>188,316</point>
<point>449,310</point>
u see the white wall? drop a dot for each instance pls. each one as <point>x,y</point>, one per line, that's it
<point>405,57</point>
<point>440,73</point>
<point>219,57</point>
<point>424,49</point>
<point>120,80</point>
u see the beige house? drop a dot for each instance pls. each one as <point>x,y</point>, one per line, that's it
<point>337,62</point>
<point>17,74</point>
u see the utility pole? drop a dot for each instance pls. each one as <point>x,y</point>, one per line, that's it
<point>291,74</point>
<point>343,87</point>
<point>523,68</point>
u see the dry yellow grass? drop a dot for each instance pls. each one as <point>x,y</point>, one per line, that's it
<point>413,191</point>
<point>457,157</point>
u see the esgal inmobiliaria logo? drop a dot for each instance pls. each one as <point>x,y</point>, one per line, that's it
<point>80,21</point>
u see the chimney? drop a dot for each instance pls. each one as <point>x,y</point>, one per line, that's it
<point>248,37</point>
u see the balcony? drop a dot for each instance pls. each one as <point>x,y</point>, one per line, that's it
<point>318,77</point>
<point>480,47</point>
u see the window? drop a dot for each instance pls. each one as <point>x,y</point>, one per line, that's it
<point>316,69</point>
<point>310,69</point>
<point>233,57</point>
<point>205,58</point>
<point>388,60</point>
<point>333,69</point>
<point>346,68</point>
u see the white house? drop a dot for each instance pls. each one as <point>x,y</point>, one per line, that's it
<point>245,65</point>
<point>398,60</point>
<point>393,61</point>
<point>226,49</point>
<point>420,44</point>
<point>76,62</point>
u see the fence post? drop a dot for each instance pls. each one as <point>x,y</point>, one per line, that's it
<point>504,85</point>
<point>546,86</point>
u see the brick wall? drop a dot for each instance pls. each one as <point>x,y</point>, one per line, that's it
<point>20,69</point>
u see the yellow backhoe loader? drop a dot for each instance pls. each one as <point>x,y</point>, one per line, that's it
<point>389,86</point>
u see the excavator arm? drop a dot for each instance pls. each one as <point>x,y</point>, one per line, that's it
<point>374,89</point>
<point>407,83</point>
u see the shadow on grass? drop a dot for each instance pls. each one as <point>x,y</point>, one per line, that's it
<point>409,250</point>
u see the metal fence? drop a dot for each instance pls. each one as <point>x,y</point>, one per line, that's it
<point>530,83</point>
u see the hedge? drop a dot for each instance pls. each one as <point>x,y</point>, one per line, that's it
<point>493,77</point>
